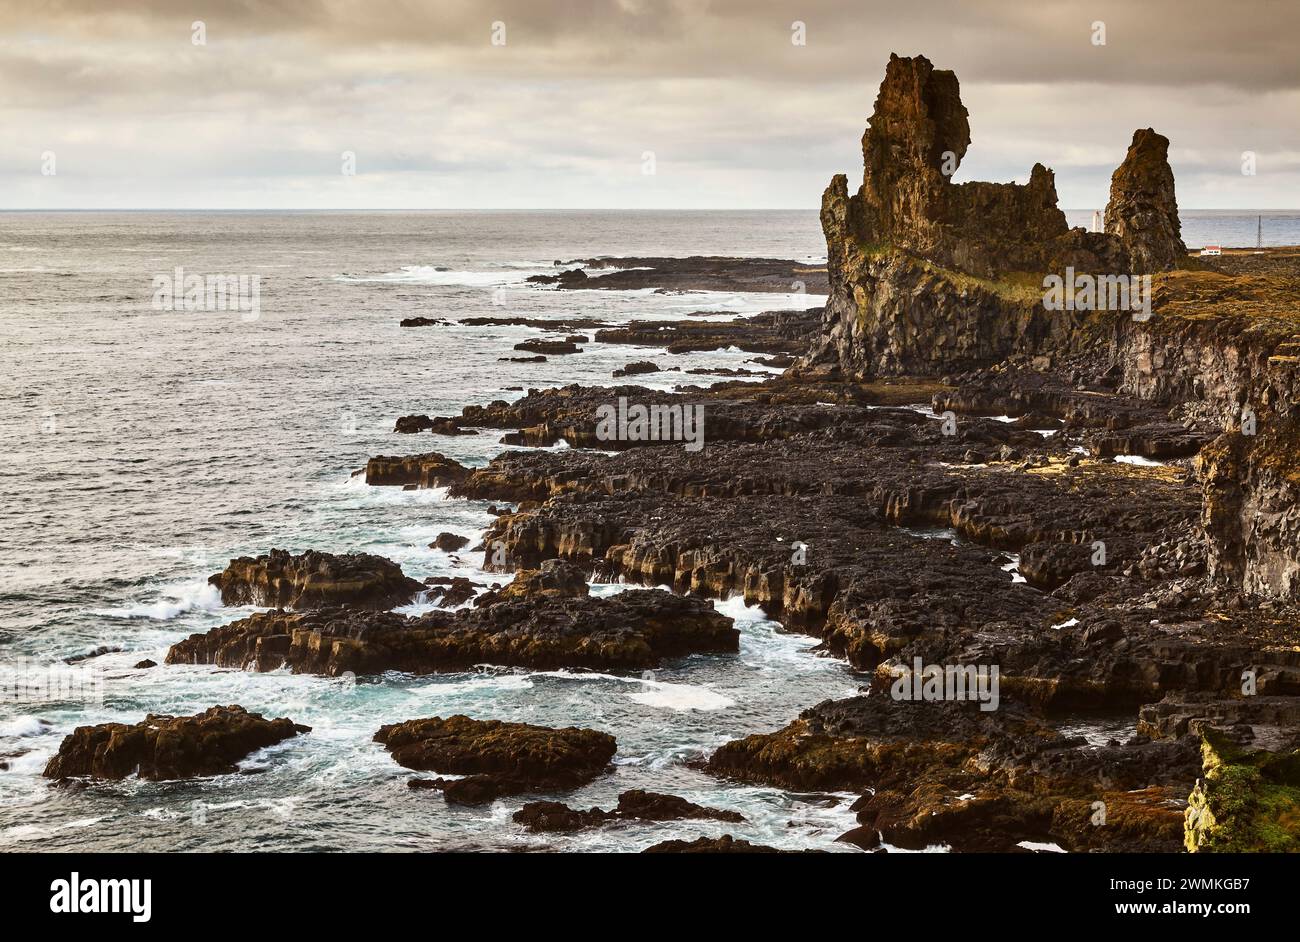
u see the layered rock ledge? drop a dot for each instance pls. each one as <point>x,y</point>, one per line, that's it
<point>315,580</point>
<point>536,627</point>
<point>169,747</point>
<point>497,758</point>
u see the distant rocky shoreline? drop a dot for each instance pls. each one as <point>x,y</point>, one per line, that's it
<point>1103,507</point>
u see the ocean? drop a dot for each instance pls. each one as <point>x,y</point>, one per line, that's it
<point>1230,228</point>
<point>144,448</point>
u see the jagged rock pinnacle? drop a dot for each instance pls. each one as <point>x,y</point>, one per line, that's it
<point>1143,211</point>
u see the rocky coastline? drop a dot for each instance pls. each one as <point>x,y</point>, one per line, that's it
<point>1082,513</point>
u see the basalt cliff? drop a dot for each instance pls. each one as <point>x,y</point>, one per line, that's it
<point>930,275</point>
<point>937,279</point>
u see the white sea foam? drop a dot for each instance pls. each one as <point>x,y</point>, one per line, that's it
<point>735,607</point>
<point>192,596</point>
<point>656,693</point>
<point>21,726</point>
<point>1040,845</point>
<point>928,849</point>
<point>680,697</point>
<point>1140,461</point>
<point>437,275</point>
<point>478,684</point>
<point>385,494</point>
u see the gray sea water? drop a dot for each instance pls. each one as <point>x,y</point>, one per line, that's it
<point>1230,228</point>
<point>144,448</point>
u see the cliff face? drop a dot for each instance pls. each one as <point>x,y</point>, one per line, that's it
<point>976,251</point>
<point>932,278</point>
<point>917,139</point>
<point>1251,513</point>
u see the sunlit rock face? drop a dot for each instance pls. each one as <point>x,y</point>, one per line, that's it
<point>930,276</point>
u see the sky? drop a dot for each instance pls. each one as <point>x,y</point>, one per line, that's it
<point>654,104</point>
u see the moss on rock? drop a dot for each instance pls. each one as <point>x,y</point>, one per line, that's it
<point>1247,802</point>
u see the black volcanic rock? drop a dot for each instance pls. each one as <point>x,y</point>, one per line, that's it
<point>498,758</point>
<point>570,278</point>
<point>711,845</point>
<point>635,805</point>
<point>450,542</point>
<point>637,368</point>
<point>703,273</point>
<point>1143,211</point>
<point>929,276</point>
<point>315,580</point>
<point>168,747</point>
<point>430,469</point>
<point>542,629</point>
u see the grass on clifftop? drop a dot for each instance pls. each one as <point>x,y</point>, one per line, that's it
<point>1020,287</point>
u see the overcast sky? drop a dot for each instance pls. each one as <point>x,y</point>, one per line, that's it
<point>736,115</point>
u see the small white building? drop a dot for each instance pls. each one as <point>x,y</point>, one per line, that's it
<point>1212,250</point>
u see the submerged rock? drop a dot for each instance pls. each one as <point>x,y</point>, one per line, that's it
<point>168,747</point>
<point>635,805</point>
<point>712,845</point>
<point>497,758</point>
<point>548,347</point>
<point>449,542</point>
<point>696,273</point>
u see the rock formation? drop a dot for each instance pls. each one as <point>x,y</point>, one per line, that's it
<point>497,758</point>
<point>1143,212</point>
<point>634,805</point>
<point>168,747</point>
<point>928,275</point>
<point>449,542</point>
<point>1252,508</point>
<point>427,470</point>
<point>542,624</point>
<point>315,580</point>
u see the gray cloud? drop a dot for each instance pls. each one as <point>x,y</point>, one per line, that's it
<point>736,114</point>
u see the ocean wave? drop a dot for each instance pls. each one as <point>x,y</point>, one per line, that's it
<point>22,726</point>
<point>192,596</point>
<point>446,277</point>
<point>657,693</point>
<point>478,684</point>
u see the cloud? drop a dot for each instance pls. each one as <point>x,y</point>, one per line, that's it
<point>559,115</point>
